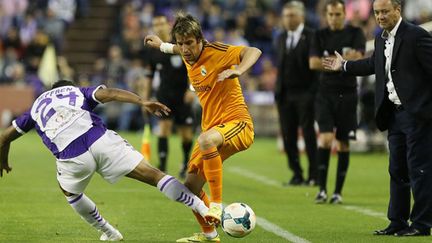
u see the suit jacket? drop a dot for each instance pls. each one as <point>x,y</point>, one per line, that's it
<point>411,69</point>
<point>294,75</point>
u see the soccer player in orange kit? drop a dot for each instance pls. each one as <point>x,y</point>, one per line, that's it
<point>213,71</point>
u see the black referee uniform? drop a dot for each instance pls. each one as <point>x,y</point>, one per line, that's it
<point>170,71</point>
<point>336,102</point>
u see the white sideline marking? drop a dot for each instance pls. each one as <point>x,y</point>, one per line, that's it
<point>262,222</point>
<point>269,226</point>
<point>366,211</point>
<point>254,176</point>
<point>265,180</point>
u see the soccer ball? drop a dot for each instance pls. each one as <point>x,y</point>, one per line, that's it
<point>238,220</point>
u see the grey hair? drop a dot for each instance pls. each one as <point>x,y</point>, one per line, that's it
<point>397,3</point>
<point>296,5</point>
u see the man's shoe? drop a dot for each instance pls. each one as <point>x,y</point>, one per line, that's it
<point>213,215</point>
<point>198,237</point>
<point>111,236</point>
<point>321,197</point>
<point>336,199</point>
<point>390,230</point>
<point>411,231</point>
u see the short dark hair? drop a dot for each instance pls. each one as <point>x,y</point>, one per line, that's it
<point>397,2</point>
<point>63,82</point>
<point>335,2</point>
<point>187,25</point>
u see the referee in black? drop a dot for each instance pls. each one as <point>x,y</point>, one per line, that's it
<point>172,89</point>
<point>336,102</point>
<point>295,91</point>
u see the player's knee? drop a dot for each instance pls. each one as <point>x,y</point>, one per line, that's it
<point>205,141</point>
<point>343,146</point>
<point>164,132</point>
<point>325,141</point>
<point>187,136</point>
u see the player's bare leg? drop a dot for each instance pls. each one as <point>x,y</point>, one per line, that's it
<point>195,183</point>
<point>168,185</point>
<point>88,211</point>
<point>208,142</point>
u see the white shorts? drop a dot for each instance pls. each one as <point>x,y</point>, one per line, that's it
<point>111,156</point>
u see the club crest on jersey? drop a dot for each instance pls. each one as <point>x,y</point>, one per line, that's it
<point>203,71</point>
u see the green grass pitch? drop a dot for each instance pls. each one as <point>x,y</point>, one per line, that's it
<point>32,208</point>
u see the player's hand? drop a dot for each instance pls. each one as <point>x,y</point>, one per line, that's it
<point>156,108</point>
<point>4,165</point>
<point>228,74</point>
<point>153,41</point>
<point>333,63</point>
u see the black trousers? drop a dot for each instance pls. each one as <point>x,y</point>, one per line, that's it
<point>410,168</point>
<point>298,111</point>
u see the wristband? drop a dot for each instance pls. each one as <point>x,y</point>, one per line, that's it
<point>166,47</point>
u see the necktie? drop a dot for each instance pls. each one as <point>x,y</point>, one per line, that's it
<point>290,43</point>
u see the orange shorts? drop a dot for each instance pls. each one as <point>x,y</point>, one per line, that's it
<point>237,136</point>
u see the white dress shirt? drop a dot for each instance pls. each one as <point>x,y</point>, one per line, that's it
<point>293,37</point>
<point>388,54</point>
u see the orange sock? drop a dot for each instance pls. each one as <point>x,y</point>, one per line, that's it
<point>205,227</point>
<point>213,173</point>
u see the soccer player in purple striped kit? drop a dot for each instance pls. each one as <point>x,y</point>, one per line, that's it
<point>64,119</point>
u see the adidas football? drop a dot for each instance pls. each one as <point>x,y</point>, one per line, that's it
<point>238,220</point>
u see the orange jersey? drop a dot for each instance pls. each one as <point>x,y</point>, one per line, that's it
<point>220,101</point>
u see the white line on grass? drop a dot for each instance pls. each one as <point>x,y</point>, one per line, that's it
<point>270,182</point>
<point>255,176</point>
<point>269,226</point>
<point>262,222</point>
<point>366,211</point>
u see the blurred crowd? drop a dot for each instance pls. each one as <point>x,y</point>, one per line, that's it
<point>26,28</point>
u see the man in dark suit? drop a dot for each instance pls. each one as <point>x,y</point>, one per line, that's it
<point>402,63</point>
<point>295,91</point>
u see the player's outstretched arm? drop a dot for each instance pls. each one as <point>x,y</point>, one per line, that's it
<point>110,94</point>
<point>6,138</point>
<point>155,42</point>
<point>248,57</point>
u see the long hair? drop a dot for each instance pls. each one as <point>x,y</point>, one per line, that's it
<point>186,25</point>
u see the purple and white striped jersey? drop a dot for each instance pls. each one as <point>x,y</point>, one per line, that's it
<point>64,119</point>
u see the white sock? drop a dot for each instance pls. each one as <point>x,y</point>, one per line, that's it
<point>211,235</point>
<point>176,191</point>
<point>88,211</point>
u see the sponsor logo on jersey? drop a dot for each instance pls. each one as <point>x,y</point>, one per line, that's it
<point>203,71</point>
<point>203,88</point>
